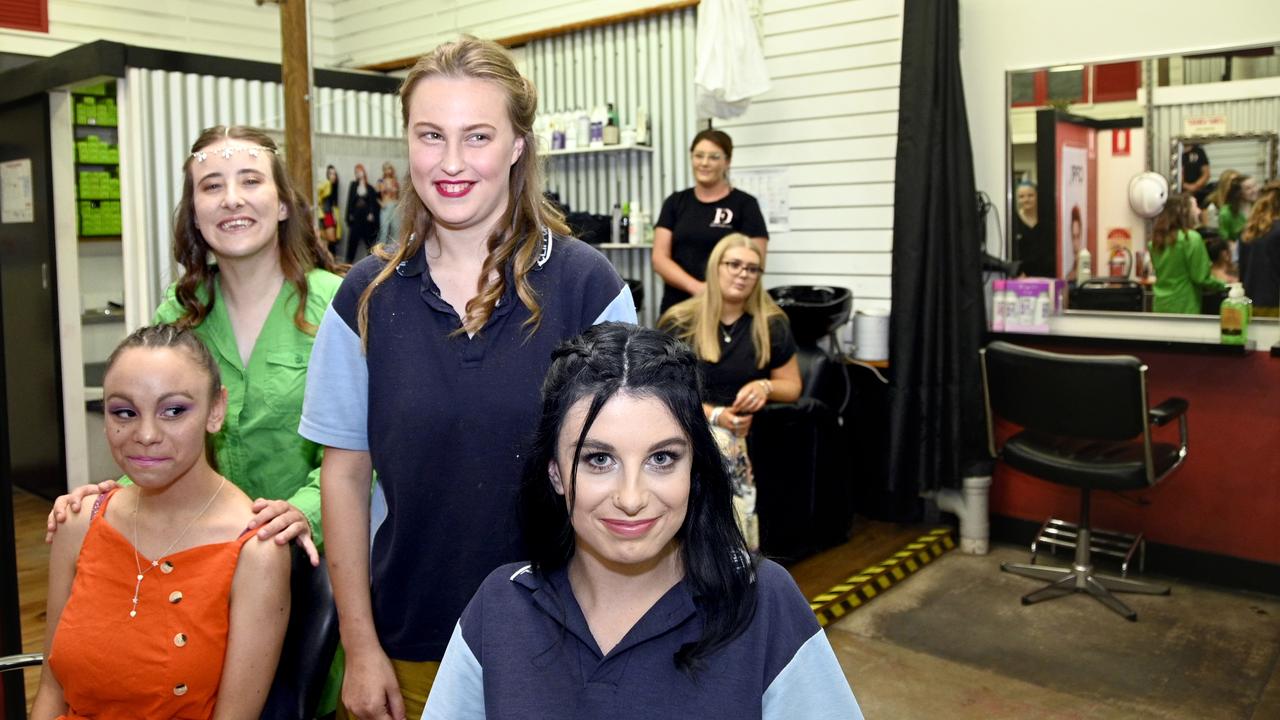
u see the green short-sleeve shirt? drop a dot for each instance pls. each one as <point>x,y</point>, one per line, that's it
<point>259,448</point>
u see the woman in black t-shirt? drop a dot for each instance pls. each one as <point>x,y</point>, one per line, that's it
<point>693,220</point>
<point>746,353</point>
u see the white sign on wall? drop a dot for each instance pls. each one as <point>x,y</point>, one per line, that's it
<point>1202,125</point>
<point>15,192</point>
<point>771,187</point>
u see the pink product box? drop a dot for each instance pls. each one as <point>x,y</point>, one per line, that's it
<point>1026,304</point>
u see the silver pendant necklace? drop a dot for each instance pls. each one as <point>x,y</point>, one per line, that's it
<point>726,331</point>
<point>137,561</point>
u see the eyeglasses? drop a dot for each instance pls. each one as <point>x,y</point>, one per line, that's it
<point>737,266</point>
<point>713,157</point>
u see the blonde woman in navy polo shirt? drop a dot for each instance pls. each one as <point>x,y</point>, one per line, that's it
<point>427,366</point>
<point>641,600</point>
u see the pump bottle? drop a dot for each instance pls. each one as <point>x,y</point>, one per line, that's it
<point>1237,311</point>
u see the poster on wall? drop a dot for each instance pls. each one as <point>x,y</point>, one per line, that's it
<point>771,187</point>
<point>1073,208</point>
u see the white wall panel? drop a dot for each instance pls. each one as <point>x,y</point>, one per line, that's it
<point>830,118</point>
<point>395,29</point>
<point>226,28</point>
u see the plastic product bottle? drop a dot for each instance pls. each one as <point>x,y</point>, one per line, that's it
<point>1237,311</point>
<point>624,226</point>
<point>635,227</point>
<point>612,133</point>
<point>1084,266</point>
<point>997,305</point>
<point>615,223</point>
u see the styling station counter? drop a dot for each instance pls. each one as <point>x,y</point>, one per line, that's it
<point>1217,518</point>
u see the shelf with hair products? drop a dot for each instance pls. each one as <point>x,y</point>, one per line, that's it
<point>599,149</point>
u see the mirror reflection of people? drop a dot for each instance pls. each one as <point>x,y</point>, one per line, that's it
<point>1215,200</point>
<point>1260,253</point>
<point>640,599</point>
<point>1196,172</point>
<point>363,215</point>
<point>1219,250</point>
<point>327,199</point>
<point>1077,243</point>
<point>1237,198</point>
<point>747,355</point>
<point>1030,244</point>
<point>158,605</point>
<point>388,196</point>
<point>1178,254</point>
<point>427,369</point>
<point>692,221</point>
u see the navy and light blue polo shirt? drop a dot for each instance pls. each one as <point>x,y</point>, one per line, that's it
<point>445,419</point>
<point>523,650</point>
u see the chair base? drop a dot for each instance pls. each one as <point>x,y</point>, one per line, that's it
<point>1055,533</point>
<point>1081,578</point>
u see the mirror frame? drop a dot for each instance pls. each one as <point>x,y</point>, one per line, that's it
<point>1178,142</point>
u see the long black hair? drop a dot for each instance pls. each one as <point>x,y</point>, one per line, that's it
<point>616,357</point>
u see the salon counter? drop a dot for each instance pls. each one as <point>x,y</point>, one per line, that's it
<point>1217,518</point>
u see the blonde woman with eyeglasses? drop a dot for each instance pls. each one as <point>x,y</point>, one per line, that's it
<point>693,220</point>
<point>746,352</point>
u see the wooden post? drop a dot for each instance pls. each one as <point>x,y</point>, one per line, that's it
<point>295,69</point>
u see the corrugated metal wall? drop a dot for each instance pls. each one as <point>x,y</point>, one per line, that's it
<point>163,112</point>
<point>1243,116</point>
<point>645,63</point>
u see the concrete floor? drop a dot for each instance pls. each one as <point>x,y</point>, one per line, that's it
<point>954,641</point>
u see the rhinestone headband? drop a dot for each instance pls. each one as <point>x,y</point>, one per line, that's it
<point>227,152</point>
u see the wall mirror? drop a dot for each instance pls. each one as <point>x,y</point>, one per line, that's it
<point>1078,133</point>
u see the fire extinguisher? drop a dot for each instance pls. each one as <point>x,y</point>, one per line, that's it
<point>1121,261</point>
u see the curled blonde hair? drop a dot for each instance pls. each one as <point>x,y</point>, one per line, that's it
<point>696,320</point>
<point>517,239</point>
<point>1265,213</point>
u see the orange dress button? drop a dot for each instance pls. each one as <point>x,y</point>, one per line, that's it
<point>180,640</point>
<point>180,689</point>
<point>175,596</point>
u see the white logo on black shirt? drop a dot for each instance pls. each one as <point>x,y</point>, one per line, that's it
<point>723,218</point>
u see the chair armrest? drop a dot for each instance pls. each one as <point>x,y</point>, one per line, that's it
<point>17,662</point>
<point>1168,411</point>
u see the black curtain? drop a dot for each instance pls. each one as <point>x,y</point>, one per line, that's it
<point>937,433</point>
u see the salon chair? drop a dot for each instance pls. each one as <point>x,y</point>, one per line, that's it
<point>307,652</point>
<point>637,292</point>
<point>801,461</point>
<point>1085,423</point>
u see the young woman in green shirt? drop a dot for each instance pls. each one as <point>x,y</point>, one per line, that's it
<point>1182,264</point>
<point>256,306</point>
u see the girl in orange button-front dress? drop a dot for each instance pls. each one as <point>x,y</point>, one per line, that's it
<point>157,606</point>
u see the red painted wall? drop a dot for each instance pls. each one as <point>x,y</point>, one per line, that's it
<point>1225,498</point>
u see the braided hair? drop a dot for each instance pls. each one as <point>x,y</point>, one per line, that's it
<point>613,358</point>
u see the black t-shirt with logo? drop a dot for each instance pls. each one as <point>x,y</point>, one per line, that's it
<point>1193,162</point>
<point>696,227</point>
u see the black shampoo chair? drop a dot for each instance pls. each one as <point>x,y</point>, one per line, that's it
<point>1086,423</point>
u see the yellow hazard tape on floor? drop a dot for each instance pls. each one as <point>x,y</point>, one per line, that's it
<point>860,587</point>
